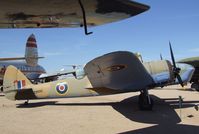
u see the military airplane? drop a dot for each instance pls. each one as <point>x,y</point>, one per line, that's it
<point>66,13</point>
<point>112,73</point>
<point>194,61</point>
<point>27,64</point>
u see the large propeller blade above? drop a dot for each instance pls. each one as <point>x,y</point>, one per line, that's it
<point>176,70</point>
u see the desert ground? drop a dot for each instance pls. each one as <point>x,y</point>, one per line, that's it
<point>104,114</point>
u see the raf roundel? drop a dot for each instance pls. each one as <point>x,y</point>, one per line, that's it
<point>62,88</point>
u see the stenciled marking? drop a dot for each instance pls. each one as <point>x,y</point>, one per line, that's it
<point>62,88</point>
<point>116,68</point>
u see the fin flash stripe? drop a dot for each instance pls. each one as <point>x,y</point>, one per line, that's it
<point>20,84</point>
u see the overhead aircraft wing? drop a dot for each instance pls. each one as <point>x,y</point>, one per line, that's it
<point>119,71</point>
<point>65,13</point>
<point>16,58</point>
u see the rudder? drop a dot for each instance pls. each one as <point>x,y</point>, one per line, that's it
<point>31,52</point>
<point>13,81</point>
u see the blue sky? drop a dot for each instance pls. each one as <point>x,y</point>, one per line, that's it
<point>149,33</point>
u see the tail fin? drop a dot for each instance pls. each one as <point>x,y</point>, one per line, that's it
<point>31,52</point>
<point>13,81</point>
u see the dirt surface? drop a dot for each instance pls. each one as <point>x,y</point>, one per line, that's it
<point>105,114</point>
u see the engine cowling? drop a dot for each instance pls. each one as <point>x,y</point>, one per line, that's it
<point>161,71</point>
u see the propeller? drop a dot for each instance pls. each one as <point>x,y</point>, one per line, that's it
<point>176,70</point>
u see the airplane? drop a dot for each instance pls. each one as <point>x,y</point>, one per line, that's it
<point>194,61</point>
<point>66,13</point>
<point>112,73</point>
<point>47,77</point>
<point>27,64</point>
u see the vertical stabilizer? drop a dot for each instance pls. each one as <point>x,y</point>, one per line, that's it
<point>31,52</point>
<point>14,80</point>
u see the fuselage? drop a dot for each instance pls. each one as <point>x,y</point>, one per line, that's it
<point>32,72</point>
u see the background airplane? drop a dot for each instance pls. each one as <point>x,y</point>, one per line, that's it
<point>28,64</point>
<point>66,13</point>
<point>112,73</point>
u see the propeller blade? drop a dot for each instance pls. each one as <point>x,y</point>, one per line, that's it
<point>172,56</point>
<point>180,80</point>
<point>176,70</point>
<point>161,57</point>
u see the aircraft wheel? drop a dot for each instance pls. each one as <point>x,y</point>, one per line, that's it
<point>195,85</point>
<point>26,102</point>
<point>144,103</point>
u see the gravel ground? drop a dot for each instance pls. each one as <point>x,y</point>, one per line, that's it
<point>103,114</point>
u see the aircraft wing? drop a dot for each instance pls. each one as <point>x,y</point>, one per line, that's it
<point>194,61</point>
<point>65,13</point>
<point>119,71</point>
<point>16,58</point>
<point>53,76</point>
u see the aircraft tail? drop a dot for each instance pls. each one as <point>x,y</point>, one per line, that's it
<point>31,52</point>
<point>14,81</point>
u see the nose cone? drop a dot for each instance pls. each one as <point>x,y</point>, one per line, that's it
<point>31,42</point>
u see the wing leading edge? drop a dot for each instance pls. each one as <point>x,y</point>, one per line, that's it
<point>65,13</point>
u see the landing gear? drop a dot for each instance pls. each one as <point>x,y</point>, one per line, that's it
<point>1,89</point>
<point>195,85</point>
<point>26,102</point>
<point>145,102</point>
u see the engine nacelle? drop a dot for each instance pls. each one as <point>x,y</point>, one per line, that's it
<point>160,71</point>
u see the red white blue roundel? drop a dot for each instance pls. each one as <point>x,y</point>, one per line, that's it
<point>62,88</point>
